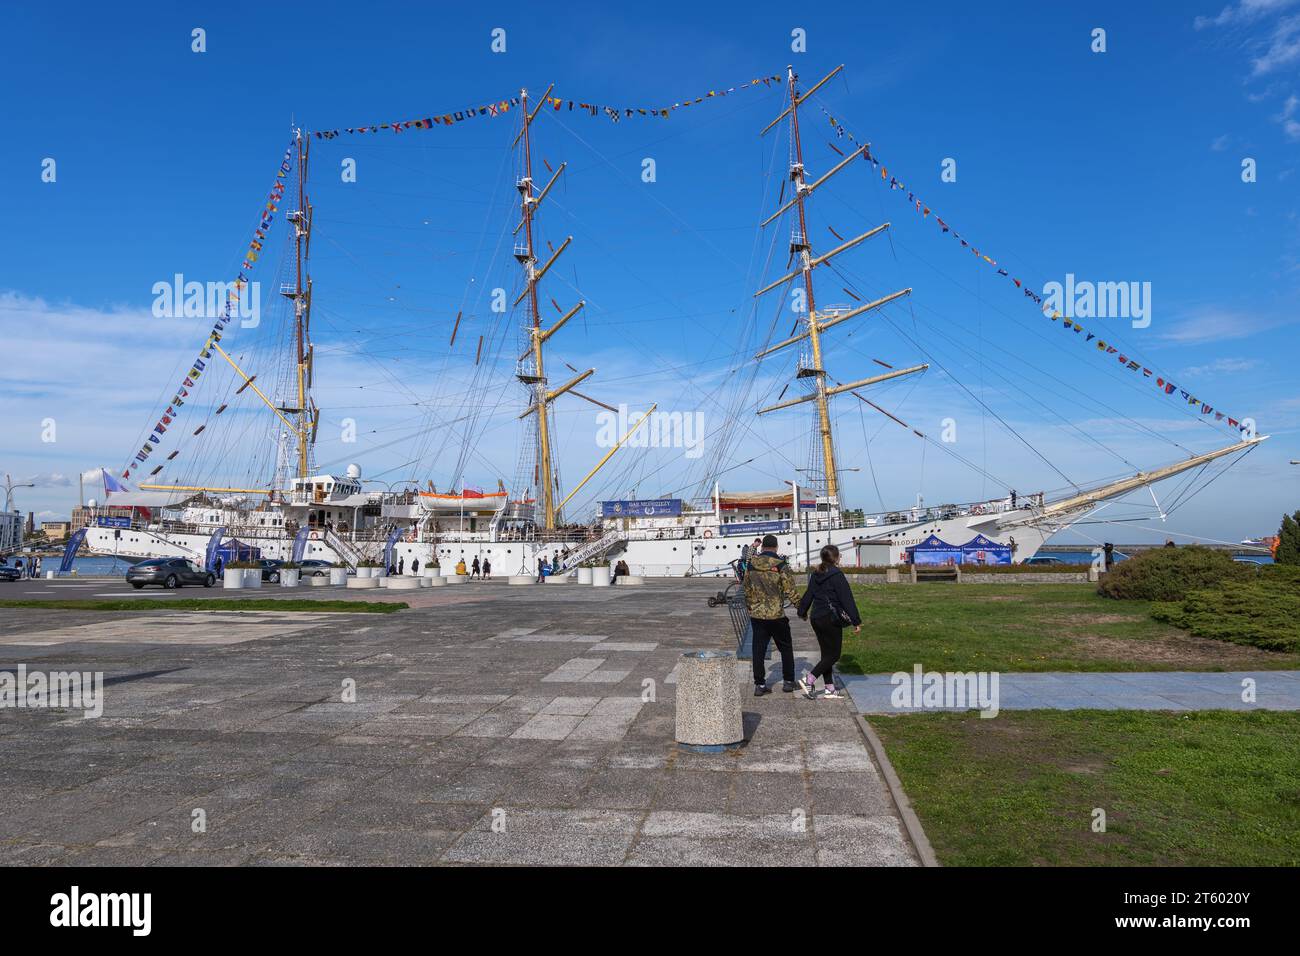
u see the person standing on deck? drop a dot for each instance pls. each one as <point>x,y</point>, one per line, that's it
<point>487,569</point>
<point>474,569</point>
<point>769,584</point>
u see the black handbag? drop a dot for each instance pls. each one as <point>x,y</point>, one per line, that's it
<point>841,616</point>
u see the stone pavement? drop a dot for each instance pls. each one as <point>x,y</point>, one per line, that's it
<point>1152,690</point>
<point>498,726</point>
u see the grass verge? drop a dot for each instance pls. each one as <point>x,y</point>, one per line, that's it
<point>1017,627</point>
<point>1206,788</point>
<point>217,604</point>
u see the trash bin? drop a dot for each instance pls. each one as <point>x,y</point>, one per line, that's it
<point>708,703</point>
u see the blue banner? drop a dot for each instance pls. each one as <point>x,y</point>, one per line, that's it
<point>300,543</point>
<point>213,543</point>
<point>648,508</point>
<point>756,528</point>
<point>103,521</point>
<point>388,547</point>
<point>70,551</point>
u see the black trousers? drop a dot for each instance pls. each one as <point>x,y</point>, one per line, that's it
<point>778,631</point>
<point>830,638</point>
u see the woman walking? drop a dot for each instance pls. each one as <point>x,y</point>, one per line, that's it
<point>829,604</point>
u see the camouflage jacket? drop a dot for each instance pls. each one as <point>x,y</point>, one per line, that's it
<point>768,582</point>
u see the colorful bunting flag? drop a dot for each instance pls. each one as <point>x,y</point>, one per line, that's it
<point>895,184</point>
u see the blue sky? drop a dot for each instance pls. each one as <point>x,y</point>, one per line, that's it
<point>1116,166</point>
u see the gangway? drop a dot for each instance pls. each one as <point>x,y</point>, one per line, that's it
<point>593,549</point>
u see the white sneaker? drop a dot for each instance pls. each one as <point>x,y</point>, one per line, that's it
<point>831,693</point>
<point>807,684</point>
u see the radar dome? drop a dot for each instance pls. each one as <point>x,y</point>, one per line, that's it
<point>354,471</point>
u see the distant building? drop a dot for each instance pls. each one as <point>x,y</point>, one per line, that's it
<point>11,530</point>
<point>56,529</point>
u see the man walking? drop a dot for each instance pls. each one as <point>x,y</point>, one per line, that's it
<point>769,583</point>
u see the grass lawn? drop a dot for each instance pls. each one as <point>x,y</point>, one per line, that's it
<point>1028,627</point>
<point>217,604</point>
<point>1208,788</point>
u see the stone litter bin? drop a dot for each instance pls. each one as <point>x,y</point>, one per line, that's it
<point>708,703</point>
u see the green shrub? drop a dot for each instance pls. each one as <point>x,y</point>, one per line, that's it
<point>1263,613</point>
<point>1169,574</point>
<point>1288,541</point>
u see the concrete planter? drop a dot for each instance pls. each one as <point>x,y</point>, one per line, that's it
<point>601,578</point>
<point>362,583</point>
<point>557,579</point>
<point>630,580</point>
<point>521,579</point>
<point>338,576</point>
<point>379,572</point>
<point>365,572</point>
<point>232,579</point>
<point>289,577</point>
<point>253,578</point>
<point>457,579</point>
<point>403,583</point>
<point>319,582</point>
<point>436,582</point>
<point>584,575</point>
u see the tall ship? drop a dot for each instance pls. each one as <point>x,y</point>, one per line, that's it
<point>259,419</point>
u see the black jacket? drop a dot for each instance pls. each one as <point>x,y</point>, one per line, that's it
<point>825,587</point>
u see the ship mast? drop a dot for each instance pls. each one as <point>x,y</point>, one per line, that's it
<point>799,245</point>
<point>815,324</point>
<point>308,415</point>
<point>305,415</point>
<point>533,375</point>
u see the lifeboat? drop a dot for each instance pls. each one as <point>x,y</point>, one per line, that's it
<point>466,500</point>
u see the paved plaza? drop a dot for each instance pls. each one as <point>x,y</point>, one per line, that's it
<point>491,724</point>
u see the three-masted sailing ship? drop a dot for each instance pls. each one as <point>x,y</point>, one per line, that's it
<point>304,512</point>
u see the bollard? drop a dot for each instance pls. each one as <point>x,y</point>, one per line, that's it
<point>708,703</point>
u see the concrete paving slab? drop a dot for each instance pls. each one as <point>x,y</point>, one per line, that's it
<point>540,727</point>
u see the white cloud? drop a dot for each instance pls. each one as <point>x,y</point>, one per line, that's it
<point>1222,366</point>
<point>1283,48</point>
<point>1247,11</point>
<point>1289,118</point>
<point>1212,324</point>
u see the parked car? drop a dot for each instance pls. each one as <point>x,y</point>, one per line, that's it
<point>9,574</point>
<point>315,568</point>
<point>1043,559</point>
<point>169,573</point>
<point>271,569</point>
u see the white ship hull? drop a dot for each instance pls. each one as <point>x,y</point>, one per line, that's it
<point>673,555</point>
